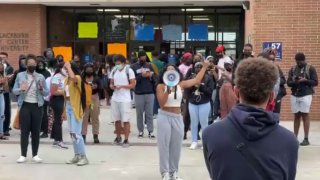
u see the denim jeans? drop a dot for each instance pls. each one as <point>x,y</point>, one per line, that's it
<point>2,106</point>
<point>75,127</point>
<point>198,113</point>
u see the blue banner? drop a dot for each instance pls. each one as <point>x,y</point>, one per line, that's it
<point>198,31</point>
<point>143,32</point>
<point>172,32</point>
<point>274,45</point>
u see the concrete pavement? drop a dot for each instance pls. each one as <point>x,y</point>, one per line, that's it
<point>139,162</point>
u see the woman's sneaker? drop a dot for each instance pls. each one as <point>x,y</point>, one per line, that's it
<point>174,176</point>
<point>194,146</point>
<point>83,161</point>
<point>166,176</point>
<point>140,135</point>
<point>59,144</point>
<point>74,160</point>
<point>36,159</point>
<point>21,159</point>
<point>151,135</point>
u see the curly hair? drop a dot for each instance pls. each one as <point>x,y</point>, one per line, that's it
<point>256,79</point>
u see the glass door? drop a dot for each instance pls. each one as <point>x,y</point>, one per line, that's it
<point>205,48</point>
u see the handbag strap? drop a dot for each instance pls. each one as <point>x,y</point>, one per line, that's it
<point>30,86</point>
<point>242,147</point>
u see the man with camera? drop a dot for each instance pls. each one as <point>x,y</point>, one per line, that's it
<point>302,79</point>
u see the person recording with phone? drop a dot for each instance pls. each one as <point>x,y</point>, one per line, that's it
<point>199,97</point>
<point>170,122</point>
<point>31,88</point>
<point>57,103</point>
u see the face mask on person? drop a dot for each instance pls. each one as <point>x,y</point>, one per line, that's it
<point>247,54</point>
<point>219,56</point>
<point>1,72</point>
<point>119,67</point>
<point>31,69</point>
<point>41,67</point>
<point>23,67</point>
<point>89,73</point>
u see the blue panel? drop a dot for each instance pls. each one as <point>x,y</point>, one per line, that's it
<point>144,32</point>
<point>198,31</point>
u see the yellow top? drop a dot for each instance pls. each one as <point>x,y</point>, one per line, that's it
<point>88,89</point>
<point>75,96</point>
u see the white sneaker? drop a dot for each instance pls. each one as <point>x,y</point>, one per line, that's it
<point>21,159</point>
<point>36,159</point>
<point>166,176</point>
<point>194,146</point>
<point>175,176</point>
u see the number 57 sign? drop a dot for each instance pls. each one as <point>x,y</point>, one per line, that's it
<point>274,45</point>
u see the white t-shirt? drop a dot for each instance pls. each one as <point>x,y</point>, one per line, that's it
<point>221,64</point>
<point>58,79</point>
<point>31,96</point>
<point>120,78</point>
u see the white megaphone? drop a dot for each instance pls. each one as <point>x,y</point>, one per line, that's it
<point>171,78</point>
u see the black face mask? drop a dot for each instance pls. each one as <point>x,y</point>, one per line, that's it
<point>23,67</point>
<point>41,67</point>
<point>89,73</point>
<point>31,69</point>
<point>247,54</point>
<point>219,56</point>
<point>1,72</point>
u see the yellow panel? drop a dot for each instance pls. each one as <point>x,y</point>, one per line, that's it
<point>88,30</point>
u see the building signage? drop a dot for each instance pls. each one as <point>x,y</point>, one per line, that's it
<point>14,41</point>
<point>274,45</point>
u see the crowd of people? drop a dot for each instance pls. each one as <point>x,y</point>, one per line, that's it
<point>50,90</point>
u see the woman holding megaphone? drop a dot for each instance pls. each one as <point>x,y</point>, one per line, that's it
<point>170,122</point>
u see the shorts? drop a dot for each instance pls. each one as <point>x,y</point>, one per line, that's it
<point>301,104</point>
<point>121,111</point>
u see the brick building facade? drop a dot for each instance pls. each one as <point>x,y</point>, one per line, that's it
<point>295,23</point>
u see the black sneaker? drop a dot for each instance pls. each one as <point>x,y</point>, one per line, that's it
<point>117,141</point>
<point>6,133</point>
<point>151,135</point>
<point>140,135</point>
<point>305,142</point>
<point>44,135</point>
<point>125,143</point>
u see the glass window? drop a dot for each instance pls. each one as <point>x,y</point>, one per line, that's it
<point>229,21</point>
<point>209,20</point>
<point>90,15</point>
<point>117,27</point>
<point>60,25</point>
<point>173,20</point>
<point>145,17</point>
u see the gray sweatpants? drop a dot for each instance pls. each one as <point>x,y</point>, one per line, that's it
<point>170,136</point>
<point>144,106</point>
